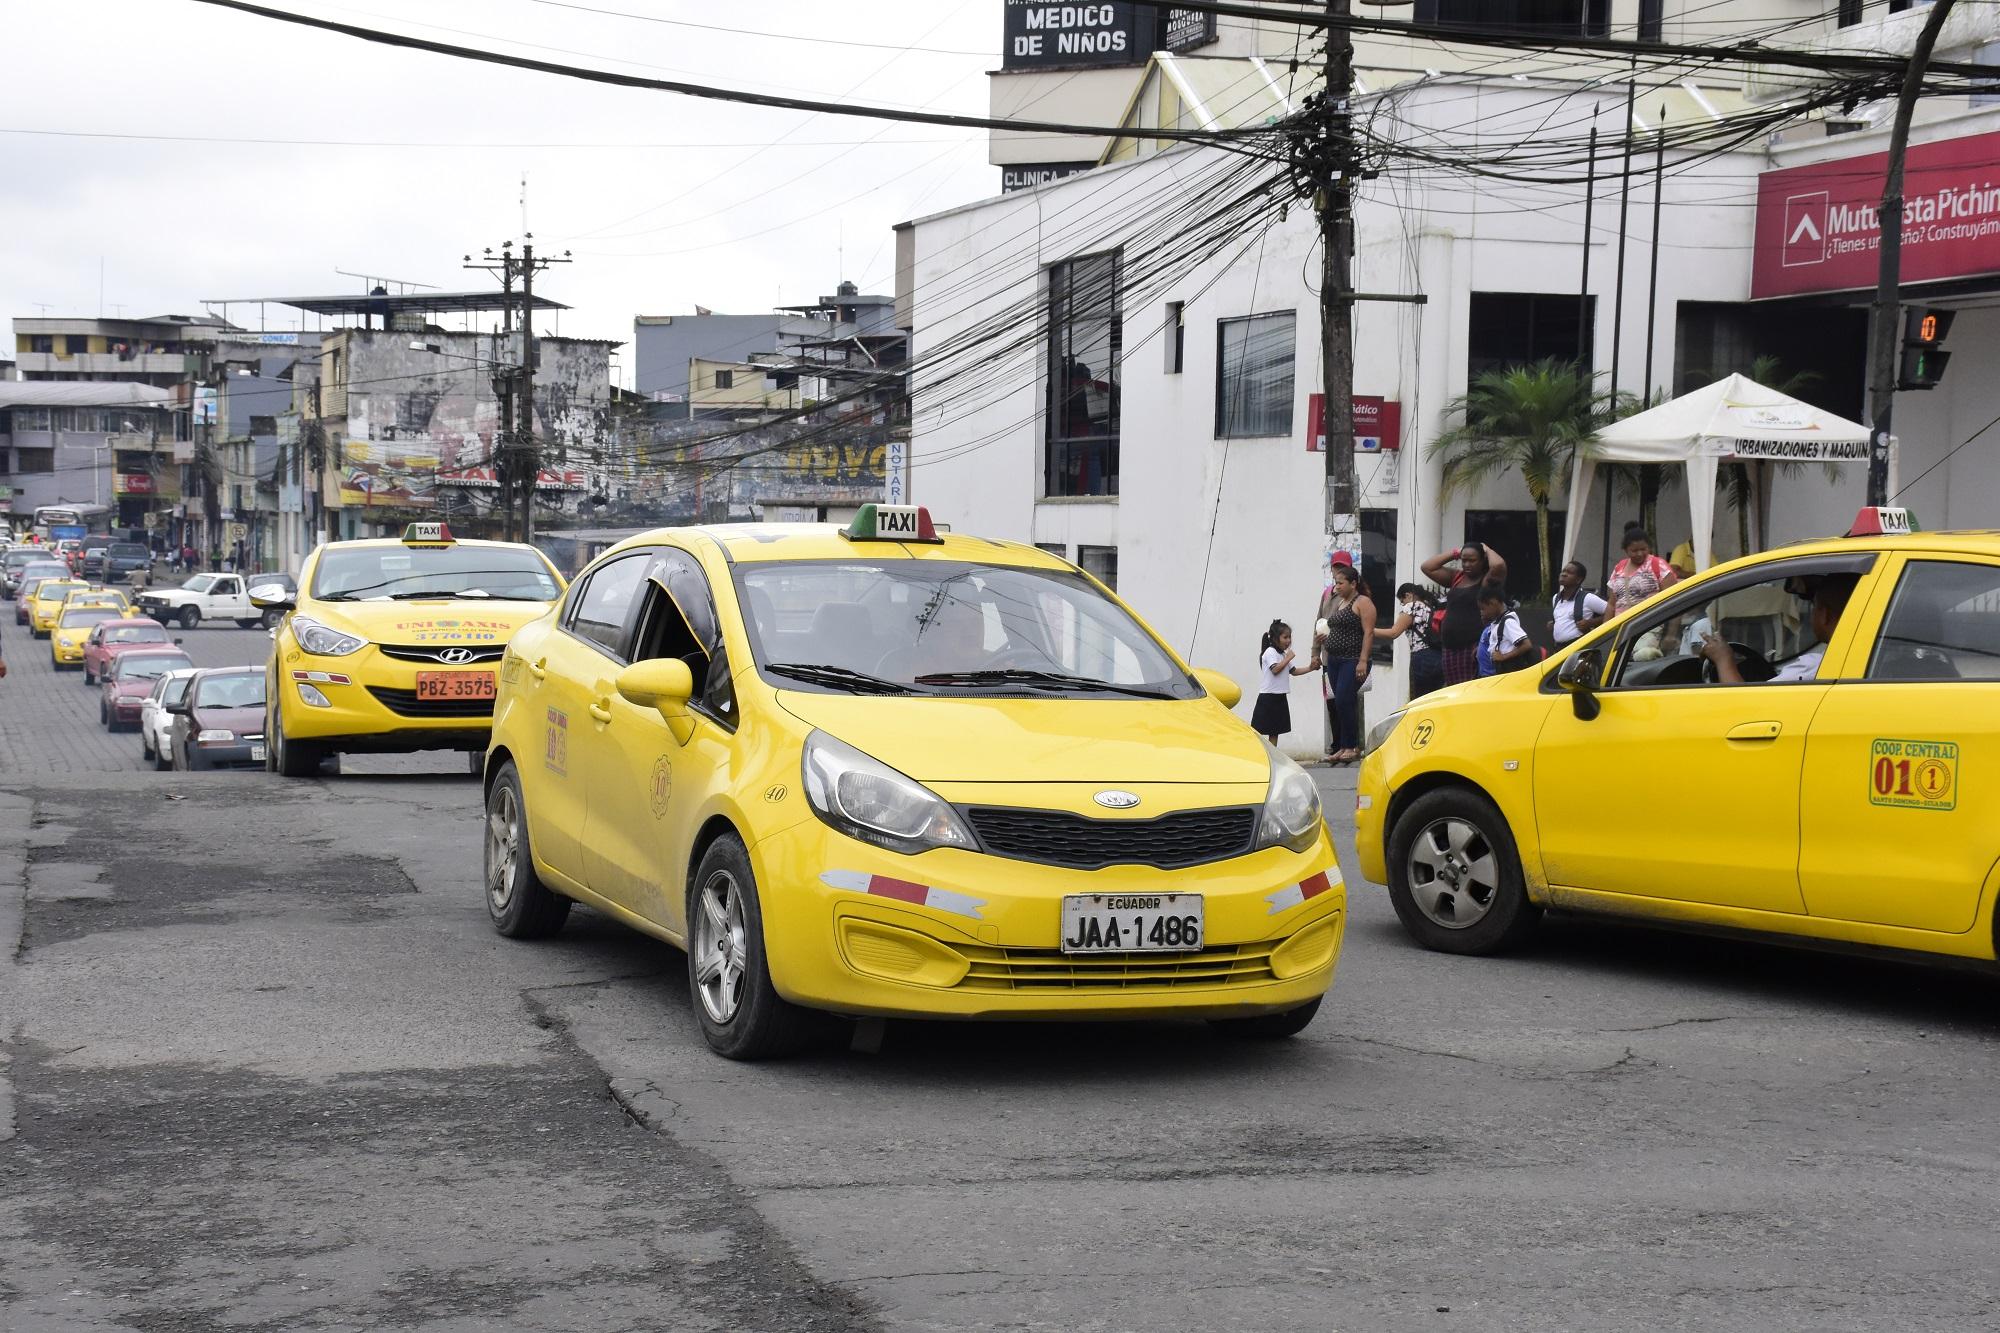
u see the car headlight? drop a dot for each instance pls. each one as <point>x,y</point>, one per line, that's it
<point>866,799</point>
<point>324,640</point>
<point>213,736</point>
<point>1378,735</point>
<point>1291,817</point>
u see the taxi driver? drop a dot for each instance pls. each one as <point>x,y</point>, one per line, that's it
<point>1829,599</point>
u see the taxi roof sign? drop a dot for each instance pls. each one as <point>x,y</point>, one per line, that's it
<point>428,534</point>
<point>1882,521</point>
<point>891,523</point>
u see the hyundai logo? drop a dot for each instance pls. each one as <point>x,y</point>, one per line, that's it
<point>1116,800</point>
<point>456,655</point>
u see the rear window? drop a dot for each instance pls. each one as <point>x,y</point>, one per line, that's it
<point>76,618</point>
<point>148,666</point>
<point>136,634</point>
<point>129,551</point>
<point>242,690</point>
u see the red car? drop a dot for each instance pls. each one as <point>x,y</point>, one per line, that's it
<point>113,637</point>
<point>128,679</point>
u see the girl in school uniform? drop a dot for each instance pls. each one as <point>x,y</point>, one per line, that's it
<point>1273,715</point>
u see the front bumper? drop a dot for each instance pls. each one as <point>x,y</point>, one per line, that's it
<point>373,705</point>
<point>66,654</point>
<point>1273,922</point>
<point>127,707</point>
<point>246,753</point>
<point>1371,820</point>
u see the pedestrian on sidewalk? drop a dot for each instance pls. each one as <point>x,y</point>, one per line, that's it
<point>1577,610</point>
<point>1478,565</point>
<point>1272,717</point>
<point>1503,645</point>
<point>1419,616</point>
<point>1350,639</point>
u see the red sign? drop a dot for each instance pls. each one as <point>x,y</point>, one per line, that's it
<point>1818,230</point>
<point>1378,423</point>
<point>133,483</point>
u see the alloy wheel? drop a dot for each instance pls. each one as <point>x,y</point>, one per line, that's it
<point>721,946</point>
<point>503,848</point>
<point>1454,876</point>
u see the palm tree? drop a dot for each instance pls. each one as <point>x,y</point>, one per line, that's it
<point>1528,420</point>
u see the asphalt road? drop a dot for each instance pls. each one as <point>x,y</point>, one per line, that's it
<point>266,1067</point>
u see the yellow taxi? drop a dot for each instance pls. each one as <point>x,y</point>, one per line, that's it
<point>1790,743</point>
<point>96,596</point>
<point>79,615</point>
<point>47,603</point>
<point>393,645</point>
<point>879,771</point>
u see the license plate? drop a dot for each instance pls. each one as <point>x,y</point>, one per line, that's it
<point>256,752</point>
<point>1131,922</point>
<point>456,685</point>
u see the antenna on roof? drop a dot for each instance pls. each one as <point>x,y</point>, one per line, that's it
<point>371,281</point>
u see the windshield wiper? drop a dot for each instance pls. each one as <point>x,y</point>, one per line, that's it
<point>1052,679</point>
<point>820,673</point>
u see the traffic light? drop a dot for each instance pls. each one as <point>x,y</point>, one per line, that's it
<point>1924,357</point>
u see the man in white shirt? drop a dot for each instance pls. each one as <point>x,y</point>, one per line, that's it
<point>1829,599</point>
<point>1576,611</point>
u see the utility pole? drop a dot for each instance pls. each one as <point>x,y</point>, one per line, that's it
<point>529,463</point>
<point>1886,336</point>
<point>1334,202</point>
<point>517,461</point>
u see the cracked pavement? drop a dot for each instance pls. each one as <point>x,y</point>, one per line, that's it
<point>263,1065</point>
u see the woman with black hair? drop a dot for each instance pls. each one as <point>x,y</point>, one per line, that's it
<point>1272,717</point>
<point>1350,639</point>
<point>1416,616</point>
<point>1478,566</point>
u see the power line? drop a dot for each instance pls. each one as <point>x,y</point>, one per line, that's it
<point>770,36</point>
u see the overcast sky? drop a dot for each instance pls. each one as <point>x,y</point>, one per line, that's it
<point>665,201</point>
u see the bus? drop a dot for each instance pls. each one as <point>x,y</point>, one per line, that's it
<point>72,520</point>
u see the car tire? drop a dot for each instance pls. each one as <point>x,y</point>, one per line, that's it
<point>742,1016</point>
<point>145,742</point>
<point>270,619</point>
<point>190,617</point>
<point>520,905</point>
<point>1269,1027</point>
<point>1455,875</point>
<point>249,624</point>
<point>289,758</point>
<point>103,712</point>
<point>162,761</point>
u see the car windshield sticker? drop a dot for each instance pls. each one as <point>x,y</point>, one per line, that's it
<point>1915,775</point>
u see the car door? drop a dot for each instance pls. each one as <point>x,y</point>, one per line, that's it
<point>646,799</point>
<point>570,673</point>
<point>1681,790</point>
<point>1898,828</point>
<point>226,600</point>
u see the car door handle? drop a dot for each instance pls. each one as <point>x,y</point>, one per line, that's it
<point>1756,731</point>
<point>600,712</point>
<point>539,668</point>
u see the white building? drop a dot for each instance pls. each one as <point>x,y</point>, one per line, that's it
<point>1189,380</point>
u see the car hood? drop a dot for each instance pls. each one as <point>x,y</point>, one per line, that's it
<point>441,622</point>
<point>1106,739</point>
<point>239,720</point>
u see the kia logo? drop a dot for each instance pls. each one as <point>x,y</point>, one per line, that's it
<point>1116,800</point>
<point>456,655</point>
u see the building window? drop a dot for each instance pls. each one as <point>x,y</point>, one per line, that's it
<point>1085,341</point>
<point>1650,19</point>
<point>1056,549</point>
<point>76,344</point>
<point>1378,571</point>
<point>41,342</point>
<point>34,460</point>
<point>1553,18</point>
<point>725,379</point>
<point>1519,328</point>
<point>28,419</point>
<point>1511,533</point>
<point>1850,13</point>
<point>1253,391</point>
<point>1176,335</point>
<point>1101,563</point>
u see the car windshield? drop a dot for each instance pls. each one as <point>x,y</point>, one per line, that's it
<point>948,628</point>
<point>239,689</point>
<point>175,690</point>
<point>77,617</point>
<point>53,590</point>
<point>150,666</point>
<point>399,573</point>
<point>136,634</point>
<point>199,583</point>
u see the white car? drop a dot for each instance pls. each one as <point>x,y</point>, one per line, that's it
<point>156,724</point>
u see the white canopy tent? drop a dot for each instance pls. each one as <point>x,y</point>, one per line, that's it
<point>1732,419</point>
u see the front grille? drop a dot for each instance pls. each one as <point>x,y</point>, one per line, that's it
<point>406,703</point>
<point>1051,969</point>
<point>427,652</point>
<point>1057,838</point>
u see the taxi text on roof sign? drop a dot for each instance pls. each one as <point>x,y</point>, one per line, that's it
<point>1882,521</point>
<point>891,523</point>
<point>427,534</point>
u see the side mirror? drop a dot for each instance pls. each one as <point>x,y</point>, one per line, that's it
<point>1226,691</point>
<point>664,683</point>
<point>1579,678</point>
<point>177,639</point>
<point>271,596</point>
<point>178,707</point>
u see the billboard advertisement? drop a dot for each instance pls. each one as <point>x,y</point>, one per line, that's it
<point>1043,36</point>
<point>1819,230</point>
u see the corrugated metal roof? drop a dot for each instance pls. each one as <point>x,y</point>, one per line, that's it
<point>83,393</point>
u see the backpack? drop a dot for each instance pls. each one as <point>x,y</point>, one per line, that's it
<point>1525,660</point>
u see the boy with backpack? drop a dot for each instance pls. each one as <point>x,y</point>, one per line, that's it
<point>1577,610</point>
<point>1503,644</point>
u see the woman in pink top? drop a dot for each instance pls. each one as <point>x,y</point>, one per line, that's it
<point>1639,575</point>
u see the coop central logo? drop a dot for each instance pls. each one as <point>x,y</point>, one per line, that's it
<point>1805,230</point>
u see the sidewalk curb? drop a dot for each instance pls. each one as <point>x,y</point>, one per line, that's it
<point>16,814</point>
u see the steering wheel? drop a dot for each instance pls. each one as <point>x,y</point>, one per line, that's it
<point>1754,666</point>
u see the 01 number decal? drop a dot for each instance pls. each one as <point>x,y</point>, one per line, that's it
<point>1915,775</point>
